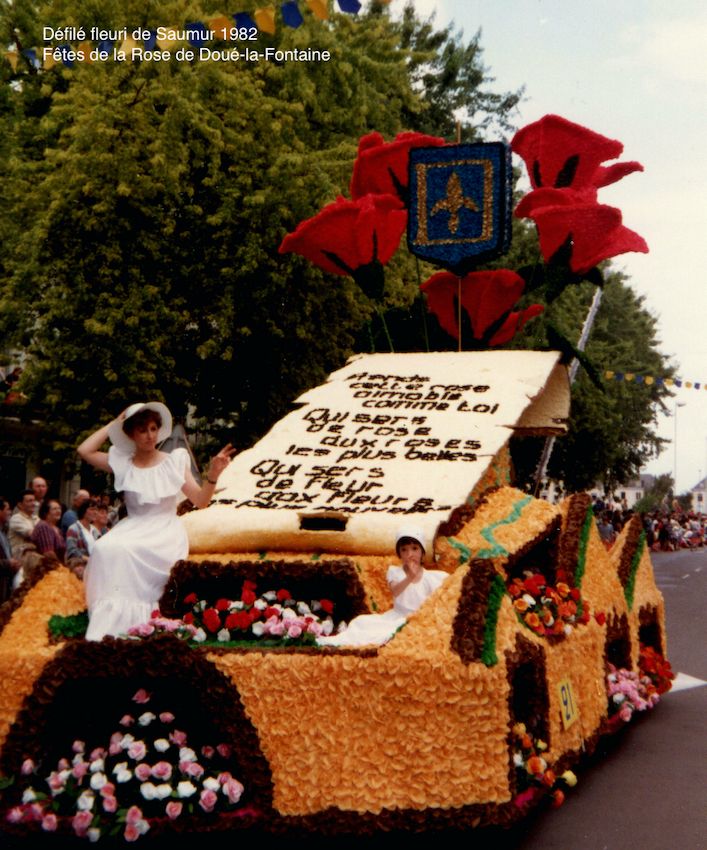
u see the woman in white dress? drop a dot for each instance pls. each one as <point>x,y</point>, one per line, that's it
<point>128,567</point>
<point>410,585</point>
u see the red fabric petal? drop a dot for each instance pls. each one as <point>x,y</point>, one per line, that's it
<point>347,229</point>
<point>485,297</point>
<point>514,323</point>
<point>605,175</point>
<point>597,233</point>
<point>547,145</point>
<point>538,198</point>
<point>377,159</point>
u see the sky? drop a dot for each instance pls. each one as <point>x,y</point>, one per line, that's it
<point>636,71</point>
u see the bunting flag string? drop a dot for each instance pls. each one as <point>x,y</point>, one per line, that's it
<point>649,380</point>
<point>194,33</point>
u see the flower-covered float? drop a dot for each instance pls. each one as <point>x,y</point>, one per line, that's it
<point>475,709</point>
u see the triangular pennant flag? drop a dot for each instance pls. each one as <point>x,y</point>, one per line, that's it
<point>105,47</point>
<point>85,49</point>
<point>351,6</point>
<point>12,58</point>
<point>265,20</point>
<point>221,26</point>
<point>49,62</point>
<point>31,54</point>
<point>291,14</point>
<point>244,20</point>
<point>319,9</point>
<point>128,45</point>
<point>150,42</point>
<point>197,34</point>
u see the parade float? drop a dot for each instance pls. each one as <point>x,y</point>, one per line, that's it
<point>222,712</point>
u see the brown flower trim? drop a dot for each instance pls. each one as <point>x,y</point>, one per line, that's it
<point>617,646</point>
<point>568,545</point>
<point>650,632</point>
<point>336,580</point>
<point>70,698</point>
<point>528,700</point>
<point>463,514</point>
<point>629,549</point>
<point>545,557</point>
<point>371,652</point>
<point>43,568</point>
<point>470,620</point>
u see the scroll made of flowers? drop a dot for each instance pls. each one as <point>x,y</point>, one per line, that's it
<point>387,436</point>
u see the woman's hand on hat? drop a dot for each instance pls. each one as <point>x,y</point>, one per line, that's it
<point>220,461</point>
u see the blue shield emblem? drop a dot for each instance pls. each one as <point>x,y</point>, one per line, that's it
<point>460,204</point>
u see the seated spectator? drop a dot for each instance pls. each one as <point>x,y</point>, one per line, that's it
<point>71,516</point>
<point>46,535</point>
<point>80,537</point>
<point>100,523</point>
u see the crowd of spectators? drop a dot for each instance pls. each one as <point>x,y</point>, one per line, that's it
<point>667,528</point>
<point>35,526</point>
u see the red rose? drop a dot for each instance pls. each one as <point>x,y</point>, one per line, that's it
<point>270,612</point>
<point>600,618</point>
<point>188,618</point>
<point>486,297</point>
<point>248,597</point>
<point>192,599</point>
<point>575,594</point>
<point>243,620</point>
<point>283,594</point>
<point>249,585</point>
<point>231,622</point>
<point>327,605</point>
<point>212,620</point>
<point>222,605</point>
<point>382,167</point>
<point>347,235</point>
<point>535,584</point>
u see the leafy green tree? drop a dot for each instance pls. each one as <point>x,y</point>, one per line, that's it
<point>657,495</point>
<point>145,202</point>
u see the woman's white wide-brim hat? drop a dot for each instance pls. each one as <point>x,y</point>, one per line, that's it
<point>413,532</point>
<point>121,440</point>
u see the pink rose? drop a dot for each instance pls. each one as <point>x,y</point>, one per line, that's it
<point>207,800</point>
<point>178,738</point>
<point>27,767</point>
<point>167,717</point>
<point>233,790</point>
<point>162,770</point>
<point>78,746</point>
<point>50,822</point>
<point>126,720</point>
<point>173,809</point>
<point>98,753</point>
<point>294,631</point>
<point>110,804</point>
<point>224,750</point>
<point>15,815</point>
<point>80,770</point>
<point>191,768</point>
<point>143,772</point>
<point>141,696</point>
<point>224,777</point>
<point>207,752</point>
<point>63,764</point>
<point>134,814</point>
<point>137,750</point>
<point>108,790</point>
<point>81,822</point>
<point>131,832</point>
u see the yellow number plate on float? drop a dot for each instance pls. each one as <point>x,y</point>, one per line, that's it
<point>568,705</point>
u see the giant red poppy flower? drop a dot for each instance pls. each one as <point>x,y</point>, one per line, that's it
<point>596,233</point>
<point>346,235</point>
<point>486,297</point>
<point>382,167</point>
<point>561,154</point>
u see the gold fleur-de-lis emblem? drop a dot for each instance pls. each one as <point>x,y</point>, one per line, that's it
<point>453,202</point>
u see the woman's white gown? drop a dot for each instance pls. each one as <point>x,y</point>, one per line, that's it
<point>368,629</point>
<point>129,566</point>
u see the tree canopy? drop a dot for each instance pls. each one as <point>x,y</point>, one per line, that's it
<point>145,202</point>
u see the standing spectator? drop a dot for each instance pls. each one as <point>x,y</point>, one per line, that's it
<point>22,524</point>
<point>80,537</point>
<point>606,530</point>
<point>46,535</point>
<point>8,565</point>
<point>101,520</point>
<point>71,516</point>
<point>39,487</point>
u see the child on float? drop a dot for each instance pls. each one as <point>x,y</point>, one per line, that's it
<point>410,583</point>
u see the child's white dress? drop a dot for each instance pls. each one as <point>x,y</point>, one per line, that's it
<point>376,629</point>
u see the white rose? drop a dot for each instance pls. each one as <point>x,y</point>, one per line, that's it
<point>98,765</point>
<point>161,745</point>
<point>212,783</point>
<point>271,596</point>
<point>98,780</point>
<point>237,605</point>
<point>327,626</point>
<point>185,789</point>
<point>223,635</point>
<point>258,628</point>
<point>199,636</point>
<point>303,608</point>
<point>29,796</point>
<point>186,754</point>
<point>289,614</point>
<point>85,801</point>
<point>93,834</point>
<point>529,599</point>
<point>146,718</point>
<point>148,791</point>
<point>163,791</point>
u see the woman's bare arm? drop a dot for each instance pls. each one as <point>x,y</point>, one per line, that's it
<point>89,450</point>
<point>200,496</point>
